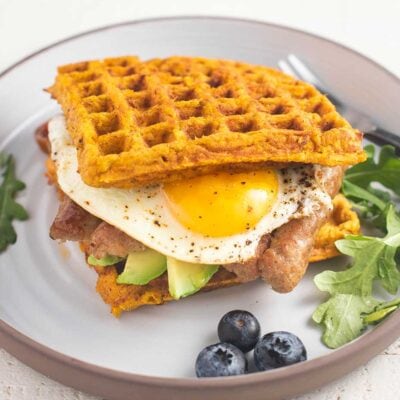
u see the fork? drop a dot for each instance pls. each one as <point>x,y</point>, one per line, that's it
<point>293,66</point>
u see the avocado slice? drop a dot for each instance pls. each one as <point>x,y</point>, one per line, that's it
<point>104,261</point>
<point>143,266</point>
<point>186,278</point>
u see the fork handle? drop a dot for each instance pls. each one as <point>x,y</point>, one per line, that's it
<point>382,136</point>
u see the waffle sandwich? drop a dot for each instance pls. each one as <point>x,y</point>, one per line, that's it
<point>187,174</point>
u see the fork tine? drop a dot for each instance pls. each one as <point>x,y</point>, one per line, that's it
<point>286,68</point>
<point>303,71</point>
<point>293,66</point>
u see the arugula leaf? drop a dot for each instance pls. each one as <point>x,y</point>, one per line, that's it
<point>374,258</point>
<point>9,209</point>
<point>378,198</point>
<point>381,312</point>
<point>3,159</point>
<point>385,171</point>
<point>341,317</point>
<point>357,279</point>
<point>351,290</point>
<point>351,306</point>
<point>345,316</point>
<point>371,203</point>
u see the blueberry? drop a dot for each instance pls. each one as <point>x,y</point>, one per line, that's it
<point>220,359</point>
<point>239,328</point>
<point>278,349</point>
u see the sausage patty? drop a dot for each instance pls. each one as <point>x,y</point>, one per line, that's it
<point>282,258</point>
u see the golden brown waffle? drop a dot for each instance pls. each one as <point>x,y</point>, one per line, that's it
<point>343,221</point>
<point>128,297</point>
<point>139,122</point>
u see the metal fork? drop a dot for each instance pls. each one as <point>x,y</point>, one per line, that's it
<point>292,65</point>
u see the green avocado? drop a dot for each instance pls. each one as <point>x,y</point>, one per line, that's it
<point>186,278</point>
<point>143,266</point>
<point>104,261</point>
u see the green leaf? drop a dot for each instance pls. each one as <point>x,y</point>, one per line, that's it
<point>379,315</point>
<point>373,258</point>
<point>351,290</point>
<point>371,203</point>
<point>381,194</point>
<point>379,219</point>
<point>387,270</point>
<point>350,190</point>
<point>359,278</point>
<point>351,306</point>
<point>3,159</point>
<point>386,171</point>
<point>345,316</point>
<point>393,227</point>
<point>395,302</point>
<point>9,209</point>
<point>341,318</point>
<point>382,311</point>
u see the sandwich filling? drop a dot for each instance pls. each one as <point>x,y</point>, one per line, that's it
<point>175,228</point>
<point>212,219</point>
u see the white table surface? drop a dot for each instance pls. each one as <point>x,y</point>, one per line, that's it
<point>369,26</point>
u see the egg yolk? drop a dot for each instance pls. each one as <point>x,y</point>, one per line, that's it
<point>223,204</point>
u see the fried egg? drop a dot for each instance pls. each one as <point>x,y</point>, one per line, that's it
<point>212,219</point>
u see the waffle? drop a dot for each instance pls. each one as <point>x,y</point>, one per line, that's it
<point>129,297</point>
<point>136,123</point>
<point>343,221</point>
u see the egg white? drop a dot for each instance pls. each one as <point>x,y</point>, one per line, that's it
<point>144,215</point>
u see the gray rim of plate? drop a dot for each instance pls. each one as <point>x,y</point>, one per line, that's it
<point>86,376</point>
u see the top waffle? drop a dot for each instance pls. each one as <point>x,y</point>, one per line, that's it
<point>137,122</point>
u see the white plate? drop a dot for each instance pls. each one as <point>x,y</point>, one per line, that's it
<point>46,291</point>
